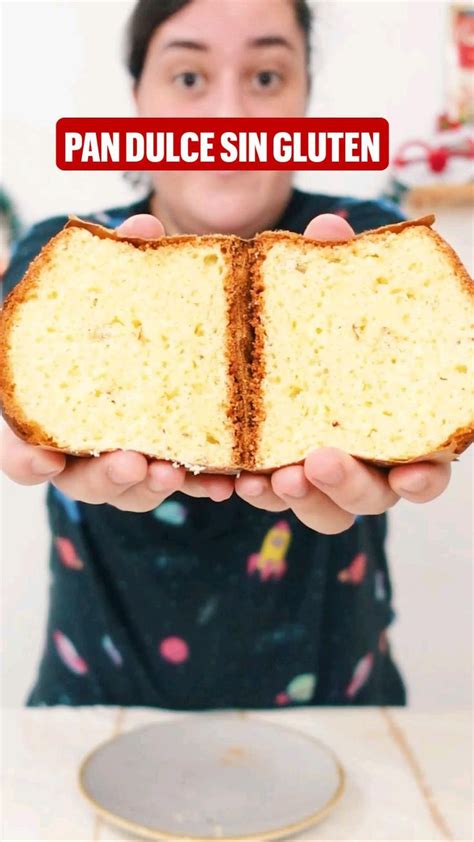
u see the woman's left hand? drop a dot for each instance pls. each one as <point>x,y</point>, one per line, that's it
<point>332,487</point>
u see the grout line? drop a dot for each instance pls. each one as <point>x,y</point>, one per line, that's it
<point>427,794</point>
<point>97,828</point>
<point>119,720</point>
<point>117,727</point>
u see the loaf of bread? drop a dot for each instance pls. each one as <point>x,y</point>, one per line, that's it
<point>225,354</point>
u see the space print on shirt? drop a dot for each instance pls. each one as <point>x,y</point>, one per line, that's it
<point>270,562</point>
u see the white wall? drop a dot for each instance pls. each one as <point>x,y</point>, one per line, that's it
<point>371,59</point>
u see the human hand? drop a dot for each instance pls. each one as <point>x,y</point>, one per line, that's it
<point>124,479</point>
<point>332,487</point>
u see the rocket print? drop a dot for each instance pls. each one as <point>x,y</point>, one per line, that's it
<point>109,646</point>
<point>360,675</point>
<point>67,554</point>
<point>68,654</point>
<point>355,572</point>
<point>270,561</point>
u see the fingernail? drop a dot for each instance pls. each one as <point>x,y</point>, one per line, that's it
<point>415,485</point>
<point>42,467</point>
<point>328,474</point>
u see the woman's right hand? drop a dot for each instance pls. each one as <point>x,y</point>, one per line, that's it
<point>124,479</point>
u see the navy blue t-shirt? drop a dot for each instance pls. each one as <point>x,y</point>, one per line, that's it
<point>177,607</point>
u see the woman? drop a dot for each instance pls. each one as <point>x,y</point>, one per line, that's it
<point>160,595</point>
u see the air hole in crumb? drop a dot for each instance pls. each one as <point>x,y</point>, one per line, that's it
<point>210,259</point>
<point>211,439</point>
<point>462,369</point>
<point>295,391</point>
<point>53,294</point>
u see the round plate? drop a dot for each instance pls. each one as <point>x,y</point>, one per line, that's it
<point>212,776</point>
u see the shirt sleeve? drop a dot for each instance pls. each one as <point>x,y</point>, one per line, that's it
<point>27,248</point>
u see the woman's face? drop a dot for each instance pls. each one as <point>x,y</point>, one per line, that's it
<point>224,58</point>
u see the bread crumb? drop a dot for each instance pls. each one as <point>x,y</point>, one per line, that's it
<point>193,469</point>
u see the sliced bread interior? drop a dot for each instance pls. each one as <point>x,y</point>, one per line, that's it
<point>226,354</point>
<point>366,345</point>
<point>113,344</point>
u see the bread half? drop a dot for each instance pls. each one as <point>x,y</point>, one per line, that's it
<point>225,354</point>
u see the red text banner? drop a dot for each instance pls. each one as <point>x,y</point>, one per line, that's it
<point>307,143</point>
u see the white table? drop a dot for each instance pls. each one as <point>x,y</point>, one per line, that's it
<point>408,773</point>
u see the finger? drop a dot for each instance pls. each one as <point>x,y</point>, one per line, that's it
<point>310,505</point>
<point>328,227</point>
<point>256,489</point>
<point>101,479</point>
<point>217,487</point>
<point>421,481</point>
<point>352,485</point>
<point>163,479</point>
<point>141,225</point>
<point>160,481</point>
<point>28,464</point>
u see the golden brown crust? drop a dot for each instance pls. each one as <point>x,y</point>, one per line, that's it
<point>246,339</point>
<point>142,242</point>
<point>257,368</point>
<point>238,351</point>
<point>12,411</point>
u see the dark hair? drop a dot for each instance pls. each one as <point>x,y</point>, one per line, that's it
<point>149,14</point>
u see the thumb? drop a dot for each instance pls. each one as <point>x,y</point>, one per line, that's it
<point>141,225</point>
<point>329,227</point>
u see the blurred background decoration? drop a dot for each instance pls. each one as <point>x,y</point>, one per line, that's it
<point>439,171</point>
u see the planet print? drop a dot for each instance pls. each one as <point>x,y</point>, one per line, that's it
<point>301,688</point>
<point>174,649</point>
<point>171,512</point>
